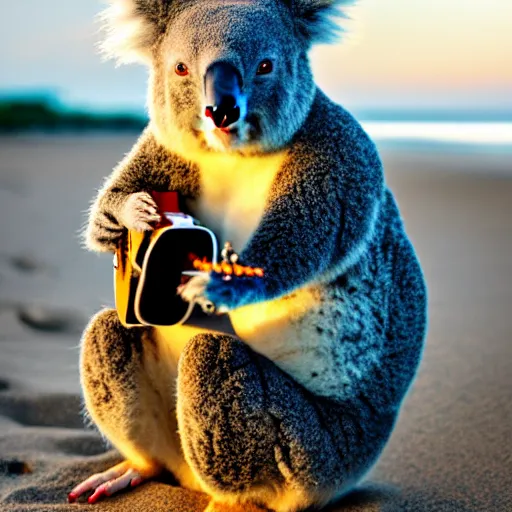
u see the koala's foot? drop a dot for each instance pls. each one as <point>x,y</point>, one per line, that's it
<point>139,212</point>
<point>113,480</point>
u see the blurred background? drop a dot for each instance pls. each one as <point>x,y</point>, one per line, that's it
<point>399,61</point>
<point>431,81</point>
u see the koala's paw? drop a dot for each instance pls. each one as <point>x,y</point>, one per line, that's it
<point>102,235</point>
<point>234,293</point>
<point>194,291</point>
<point>139,212</point>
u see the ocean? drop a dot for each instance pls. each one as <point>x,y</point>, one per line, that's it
<point>468,136</point>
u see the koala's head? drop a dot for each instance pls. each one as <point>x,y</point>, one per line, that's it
<point>225,75</point>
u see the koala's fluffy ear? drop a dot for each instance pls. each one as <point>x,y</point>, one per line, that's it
<point>132,27</point>
<point>316,19</point>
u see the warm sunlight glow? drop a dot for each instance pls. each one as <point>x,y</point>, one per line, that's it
<point>424,49</point>
<point>420,52</point>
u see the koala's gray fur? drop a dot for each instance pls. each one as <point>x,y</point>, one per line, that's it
<point>294,411</point>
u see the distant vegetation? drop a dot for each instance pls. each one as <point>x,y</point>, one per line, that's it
<point>41,111</point>
<point>45,115</point>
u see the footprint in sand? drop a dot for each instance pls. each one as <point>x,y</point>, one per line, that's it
<point>45,319</point>
<point>89,444</point>
<point>14,467</point>
<point>43,410</point>
<point>26,263</point>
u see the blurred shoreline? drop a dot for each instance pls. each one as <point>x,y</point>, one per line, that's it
<point>408,154</point>
<point>443,130</point>
<point>47,115</point>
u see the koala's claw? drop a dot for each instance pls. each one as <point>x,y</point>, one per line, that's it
<point>194,290</point>
<point>120,477</point>
<point>139,212</point>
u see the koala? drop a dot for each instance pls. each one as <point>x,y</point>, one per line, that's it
<point>292,410</point>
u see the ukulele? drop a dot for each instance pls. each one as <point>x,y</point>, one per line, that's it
<point>149,267</point>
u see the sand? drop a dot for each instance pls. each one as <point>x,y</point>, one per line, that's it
<point>452,446</point>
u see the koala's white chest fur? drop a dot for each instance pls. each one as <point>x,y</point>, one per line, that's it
<point>234,190</point>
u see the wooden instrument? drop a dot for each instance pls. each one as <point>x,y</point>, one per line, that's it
<point>149,267</point>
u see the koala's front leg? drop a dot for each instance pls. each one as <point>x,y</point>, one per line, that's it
<point>320,214</point>
<point>296,240</point>
<point>124,201</point>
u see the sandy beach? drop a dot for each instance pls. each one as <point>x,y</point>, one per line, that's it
<point>451,449</point>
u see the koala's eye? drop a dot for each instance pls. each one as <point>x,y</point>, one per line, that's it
<point>181,69</point>
<point>265,67</point>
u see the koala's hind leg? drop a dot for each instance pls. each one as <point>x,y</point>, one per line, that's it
<point>252,434</point>
<point>129,393</point>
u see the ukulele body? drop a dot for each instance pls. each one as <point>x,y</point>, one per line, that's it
<point>149,267</point>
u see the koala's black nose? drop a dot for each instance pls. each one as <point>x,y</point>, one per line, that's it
<point>223,94</point>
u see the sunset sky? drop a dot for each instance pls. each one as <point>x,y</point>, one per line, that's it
<point>396,53</point>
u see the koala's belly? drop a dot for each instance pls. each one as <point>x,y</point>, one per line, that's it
<point>234,191</point>
<point>286,331</point>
